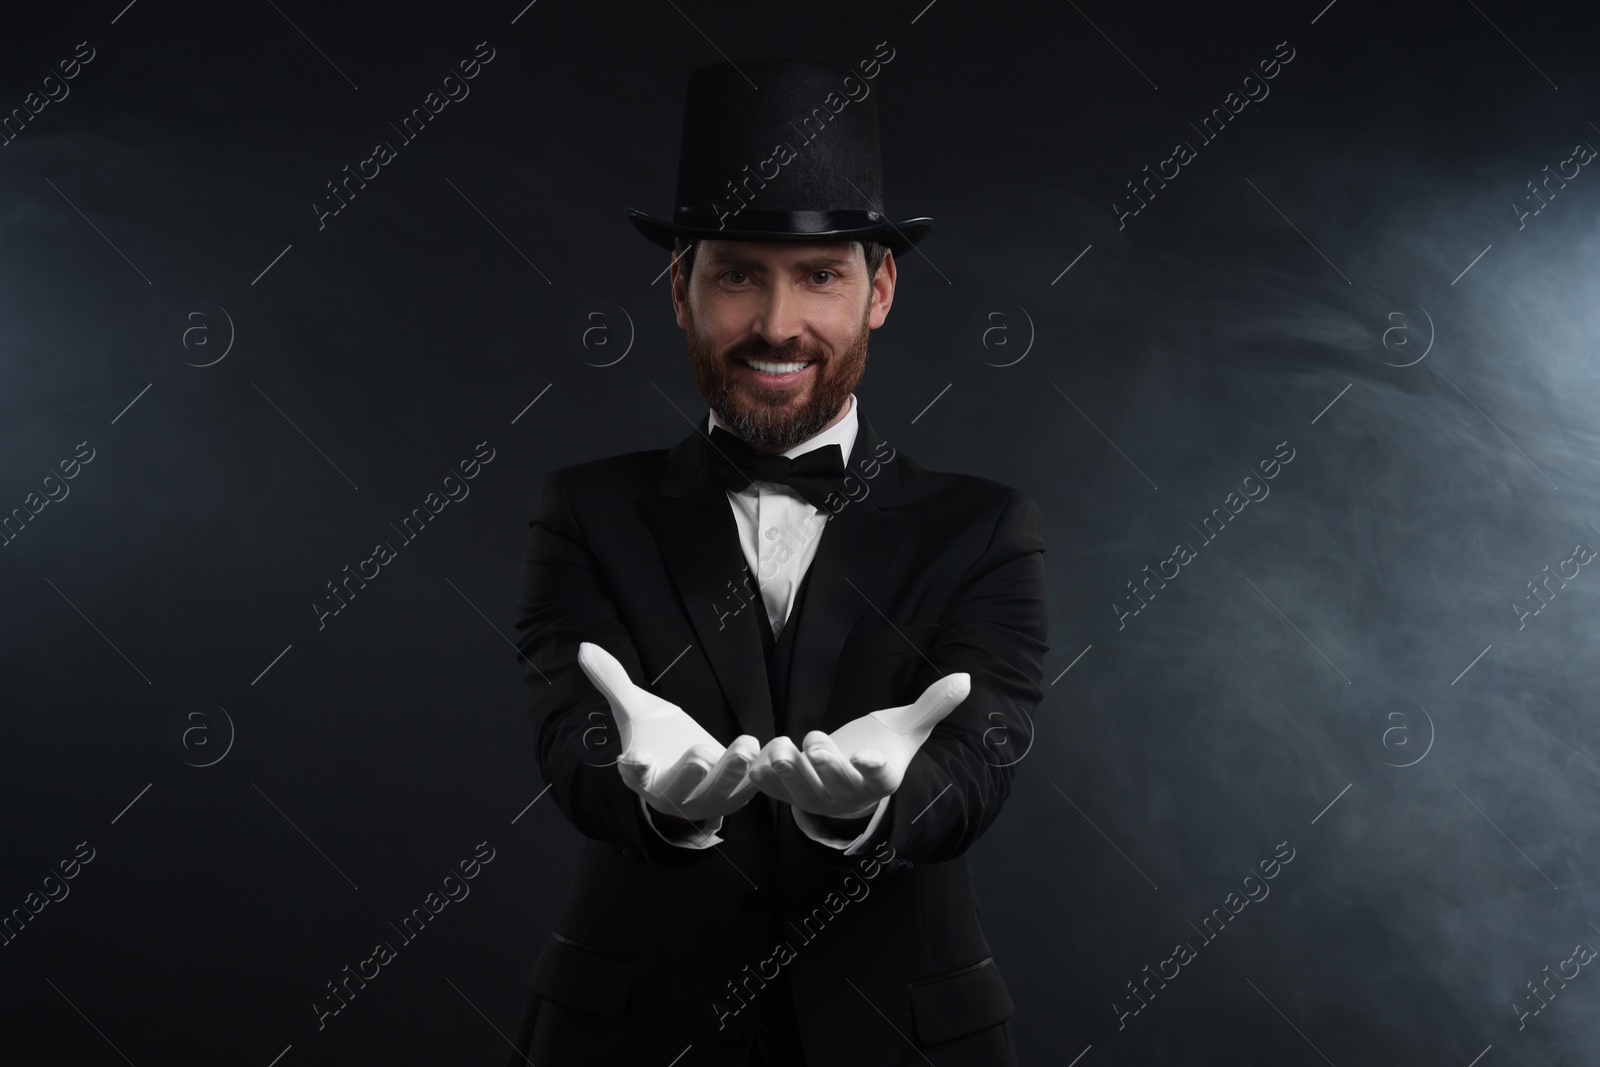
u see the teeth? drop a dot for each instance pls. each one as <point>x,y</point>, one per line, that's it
<point>768,367</point>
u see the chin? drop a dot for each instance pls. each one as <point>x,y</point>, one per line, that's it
<point>772,398</point>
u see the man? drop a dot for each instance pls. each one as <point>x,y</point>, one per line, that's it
<point>773,670</point>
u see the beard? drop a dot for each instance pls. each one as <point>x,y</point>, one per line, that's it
<point>775,420</point>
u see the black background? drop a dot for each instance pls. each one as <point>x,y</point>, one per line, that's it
<point>1268,694</point>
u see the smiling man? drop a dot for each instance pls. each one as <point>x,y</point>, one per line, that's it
<point>780,675</point>
<point>778,330</point>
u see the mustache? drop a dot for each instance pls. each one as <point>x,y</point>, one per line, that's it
<point>796,353</point>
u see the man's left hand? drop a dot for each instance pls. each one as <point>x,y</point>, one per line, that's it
<point>819,779</point>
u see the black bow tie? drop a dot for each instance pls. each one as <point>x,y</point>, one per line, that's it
<point>814,475</point>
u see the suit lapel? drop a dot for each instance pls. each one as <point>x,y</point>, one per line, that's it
<point>846,578</point>
<point>699,540</point>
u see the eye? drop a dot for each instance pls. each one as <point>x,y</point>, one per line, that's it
<point>816,273</point>
<point>728,274</point>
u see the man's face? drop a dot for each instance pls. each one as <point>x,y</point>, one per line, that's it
<point>778,332</point>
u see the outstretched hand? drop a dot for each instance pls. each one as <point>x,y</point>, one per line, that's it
<point>820,779</point>
<point>668,758</point>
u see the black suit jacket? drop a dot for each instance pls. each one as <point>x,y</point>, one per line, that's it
<point>659,948</point>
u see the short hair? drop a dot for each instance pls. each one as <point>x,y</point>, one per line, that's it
<point>872,251</point>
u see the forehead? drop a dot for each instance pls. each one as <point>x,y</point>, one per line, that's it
<point>779,255</point>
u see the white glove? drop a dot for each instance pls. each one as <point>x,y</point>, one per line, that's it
<point>668,758</point>
<point>821,781</point>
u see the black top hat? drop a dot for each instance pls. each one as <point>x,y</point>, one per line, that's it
<point>795,159</point>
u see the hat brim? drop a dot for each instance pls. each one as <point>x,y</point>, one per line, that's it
<point>899,237</point>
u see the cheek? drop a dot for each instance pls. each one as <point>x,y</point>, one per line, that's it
<point>839,330</point>
<point>709,333</point>
<point>721,322</point>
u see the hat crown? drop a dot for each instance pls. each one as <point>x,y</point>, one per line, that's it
<point>781,150</point>
<point>803,137</point>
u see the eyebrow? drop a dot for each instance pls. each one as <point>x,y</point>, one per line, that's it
<point>826,260</point>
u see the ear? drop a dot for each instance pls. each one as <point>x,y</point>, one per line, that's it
<point>882,296</point>
<point>678,288</point>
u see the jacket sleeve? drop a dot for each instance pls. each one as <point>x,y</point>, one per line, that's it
<point>995,630</point>
<point>563,602</point>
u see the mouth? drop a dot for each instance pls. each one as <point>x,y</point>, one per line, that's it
<point>774,375</point>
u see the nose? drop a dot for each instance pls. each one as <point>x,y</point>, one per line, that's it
<point>779,321</point>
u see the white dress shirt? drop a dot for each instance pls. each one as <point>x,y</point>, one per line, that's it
<point>779,531</point>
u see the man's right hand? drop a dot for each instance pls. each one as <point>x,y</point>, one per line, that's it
<point>668,758</point>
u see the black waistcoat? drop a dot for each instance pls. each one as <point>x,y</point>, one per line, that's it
<point>779,1042</point>
<point>780,654</point>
